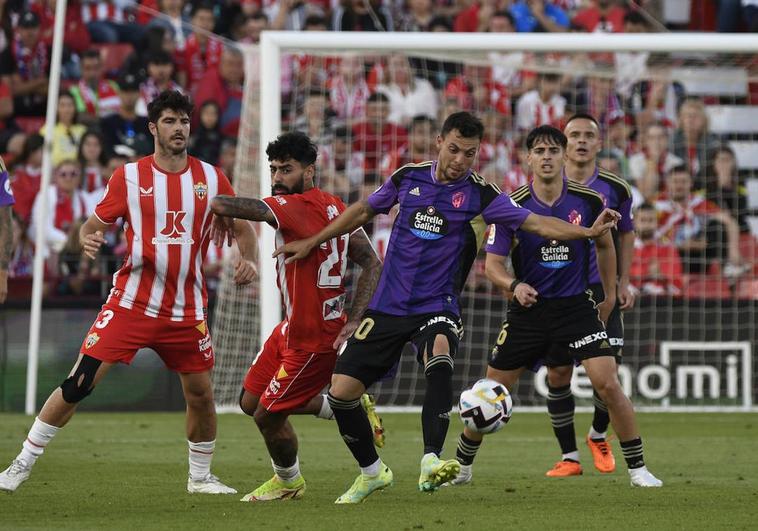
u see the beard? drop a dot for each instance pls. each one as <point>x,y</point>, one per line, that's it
<point>280,189</point>
<point>165,145</point>
<point>646,235</point>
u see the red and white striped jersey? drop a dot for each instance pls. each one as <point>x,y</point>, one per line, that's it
<point>98,10</point>
<point>313,290</point>
<point>168,222</point>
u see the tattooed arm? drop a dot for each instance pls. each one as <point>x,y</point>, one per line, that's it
<point>6,248</point>
<point>242,208</point>
<point>362,253</point>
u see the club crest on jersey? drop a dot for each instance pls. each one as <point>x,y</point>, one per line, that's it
<point>201,190</point>
<point>575,218</point>
<point>173,232</point>
<point>91,340</point>
<point>428,224</point>
<point>7,184</point>
<point>555,255</point>
<point>458,199</point>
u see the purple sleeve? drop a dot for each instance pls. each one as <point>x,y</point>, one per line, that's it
<point>384,197</point>
<point>499,240</point>
<point>6,194</point>
<point>625,209</point>
<point>504,211</point>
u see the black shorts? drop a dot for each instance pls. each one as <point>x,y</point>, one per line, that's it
<point>553,332</point>
<point>615,326</point>
<point>377,343</point>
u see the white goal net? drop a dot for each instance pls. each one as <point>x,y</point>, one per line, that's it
<point>666,104</point>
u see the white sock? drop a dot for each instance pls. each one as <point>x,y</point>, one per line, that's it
<point>574,456</point>
<point>596,434</point>
<point>39,435</point>
<point>326,410</point>
<point>200,457</point>
<point>372,469</point>
<point>287,473</point>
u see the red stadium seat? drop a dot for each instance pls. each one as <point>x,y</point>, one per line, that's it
<point>113,55</point>
<point>706,287</point>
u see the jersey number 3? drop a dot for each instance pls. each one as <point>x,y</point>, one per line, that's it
<point>325,277</point>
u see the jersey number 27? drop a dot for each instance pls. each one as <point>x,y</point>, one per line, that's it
<point>336,257</point>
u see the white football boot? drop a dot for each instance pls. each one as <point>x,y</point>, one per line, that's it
<point>14,475</point>
<point>208,485</point>
<point>641,477</point>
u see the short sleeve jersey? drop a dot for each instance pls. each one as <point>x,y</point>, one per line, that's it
<point>313,292</point>
<point>6,194</point>
<point>436,236</point>
<point>554,268</point>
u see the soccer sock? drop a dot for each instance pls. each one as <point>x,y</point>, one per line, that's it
<point>632,451</point>
<point>560,407</point>
<point>287,473</point>
<point>435,414</point>
<point>326,410</point>
<point>373,469</point>
<point>355,429</point>
<point>601,419</point>
<point>200,457</point>
<point>467,450</point>
<point>39,435</point>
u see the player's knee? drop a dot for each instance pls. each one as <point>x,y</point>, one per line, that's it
<point>609,390</point>
<point>345,387</point>
<point>198,397</point>
<point>559,376</point>
<point>268,423</point>
<point>248,403</point>
<point>79,385</point>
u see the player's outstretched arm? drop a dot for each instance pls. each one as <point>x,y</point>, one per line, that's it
<point>356,215</point>
<point>606,264</point>
<point>6,248</point>
<point>362,253</point>
<point>242,208</point>
<point>557,229</point>
<point>91,236</point>
<point>498,274</point>
<point>246,268</point>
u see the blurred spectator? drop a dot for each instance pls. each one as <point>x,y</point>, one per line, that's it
<point>76,37</point>
<point>111,21</point>
<point>95,96</point>
<point>11,136</point>
<point>228,158</point>
<point>699,229</point>
<point>596,95</point>
<point>361,15</point>
<point>68,131</point>
<point>290,15</point>
<point>604,16</point>
<point>67,206</point>
<point>205,142</point>
<point>722,186</point>
<point>154,39</point>
<point>174,21</point>
<point>656,99</point>
<point>417,16</point>
<point>692,141</point>
<point>648,167</point>
<point>26,176</point>
<point>734,14</point>
<point>376,135</point>
<point>508,68</point>
<point>315,118</point>
<point>539,16</point>
<point>610,161</point>
<point>518,175</point>
<point>31,68</point>
<point>224,86</point>
<point>617,141</point>
<point>6,38</point>
<point>494,149</point>
<point>160,72</point>
<point>631,67</point>
<point>656,267</point>
<point>476,16</point>
<point>420,147</point>
<point>22,260</point>
<point>92,158</point>
<point>126,127</point>
<point>474,90</point>
<point>408,95</point>
<point>435,71</point>
<point>252,28</point>
<point>348,90</point>
<point>541,106</point>
<point>201,52</point>
<point>315,23</point>
<point>342,168</point>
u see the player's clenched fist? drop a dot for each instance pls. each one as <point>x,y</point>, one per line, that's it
<point>91,243</point>
<point>245,272</point>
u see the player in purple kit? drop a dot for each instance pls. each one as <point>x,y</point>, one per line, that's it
<point>553,318</point>
<point>6,229</point>
<point>584,142</point>
<point>444,211</point>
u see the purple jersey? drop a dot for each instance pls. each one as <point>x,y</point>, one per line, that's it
<point>435,238</point>
<point>617,195</point>
<point>6,194</point>
<point>554,268</point>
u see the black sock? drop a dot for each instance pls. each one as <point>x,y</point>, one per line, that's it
<point>632,451</point>
<point>466,450</point>
<point>601,419</point>
<point>435,414</point>
<point>560,407</point>
<point>355,429</point>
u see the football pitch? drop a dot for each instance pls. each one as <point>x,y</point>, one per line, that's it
<point>128,471</point>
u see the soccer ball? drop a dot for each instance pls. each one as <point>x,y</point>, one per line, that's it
<point>486,407</point>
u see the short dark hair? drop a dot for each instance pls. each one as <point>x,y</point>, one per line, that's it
<point>169,99</point>
<point>204,5</point>
<point>378,96</point>
<point>635,17</point>
<point>549,76</point>
<point>646,206</point>
<point>504,14</point>
<point>342,132</point>
<point>441,20</point>
<point>547,133</point>
<point>468,125</point>
<point>422,119</point>
<point>315,20</point>
<point>679,168</point>
<point>91,53</point>
<point>294,145</point>
<point>582,116</point>
<point>259,15</point>
<point>160,57</point>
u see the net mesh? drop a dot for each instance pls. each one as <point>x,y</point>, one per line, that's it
<point>695,273</point>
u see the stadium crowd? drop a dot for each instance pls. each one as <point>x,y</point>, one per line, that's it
<point>372,115</point>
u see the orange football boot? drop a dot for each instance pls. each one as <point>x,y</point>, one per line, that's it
<point>563,469</point>
<point>602,455</point>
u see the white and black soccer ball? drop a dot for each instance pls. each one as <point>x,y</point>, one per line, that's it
<point>486,407</point>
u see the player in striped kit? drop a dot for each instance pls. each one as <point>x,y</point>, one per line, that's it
<point>158,299</point>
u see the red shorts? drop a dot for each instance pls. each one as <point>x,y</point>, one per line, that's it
<point>117,335</point>
<point>284,378</point>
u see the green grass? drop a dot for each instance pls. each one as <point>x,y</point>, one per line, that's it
<point>128,471</point>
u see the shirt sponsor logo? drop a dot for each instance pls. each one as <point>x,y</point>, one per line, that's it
<point>333,308</point>
<point>428,224</point>
<point>273,387</point>
<point>173,232</point>
<point>458,199</point>
<point>91,340</point>
<point>204,344</point>
<point>588,340</point>
<point>555,255</point>
<point>201,190</point>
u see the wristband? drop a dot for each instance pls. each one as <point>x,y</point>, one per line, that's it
<point>513,285</point>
